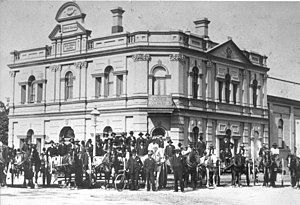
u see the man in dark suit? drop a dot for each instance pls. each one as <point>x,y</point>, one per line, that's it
<point>139,139</point>
<point>201,146</point>
<point>149,167</point>
<point>177,165</point>
<point>130,138</point>
<point>134,165</point>
<point>62,148</point>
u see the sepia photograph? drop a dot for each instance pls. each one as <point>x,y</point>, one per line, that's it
<point>149,102</point>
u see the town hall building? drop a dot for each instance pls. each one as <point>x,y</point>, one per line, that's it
<point>177,84</point>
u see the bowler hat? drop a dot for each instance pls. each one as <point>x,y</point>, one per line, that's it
<point>113,134</point>
<point>131,132</point>
<point>147,134</point>
<point>170,141</point>
<point>179,144</point>
<point>51,141</point>
<point>141,134</point>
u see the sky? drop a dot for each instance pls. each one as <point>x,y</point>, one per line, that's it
<point>269,28</point>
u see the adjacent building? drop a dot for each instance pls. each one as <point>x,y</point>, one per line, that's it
<point>177,84</point>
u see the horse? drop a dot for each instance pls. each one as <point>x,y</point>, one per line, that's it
<point>160,172</point>
<point>294,167</point>
<point>191,162</point>
<point>106,167</point>
<point>212,170</point>
<point>268,167</point>
<point>238,166</point>
<point>5,157</point>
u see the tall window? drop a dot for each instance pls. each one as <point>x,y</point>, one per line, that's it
<point>39,92</point>
<point>254,93</point>
<point>227,87</point>
<point>98,87</point>
<point>235,93</point>
<point>69,85</point>
<point>23,94</point>
<point>109,78</point>
<point>31,89</point>
<point>119,85</point>
<point>220,90</point>
<point>159,81</point>
<point>280,132</point>
<point>195,85</point>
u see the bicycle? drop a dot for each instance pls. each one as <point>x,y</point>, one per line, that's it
<point>121,180</point>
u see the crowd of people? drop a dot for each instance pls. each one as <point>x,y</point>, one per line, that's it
<point>140,153</point>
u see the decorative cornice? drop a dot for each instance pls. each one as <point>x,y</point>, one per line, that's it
<point>177,57</point>
<point>80,64</point>
<point>55,68</point>
<point>141,57</point>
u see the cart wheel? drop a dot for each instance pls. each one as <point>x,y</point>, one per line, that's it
<point>120,182</point>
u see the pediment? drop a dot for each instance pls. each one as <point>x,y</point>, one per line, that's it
<point>229,50</point>
<point>69,11</point>
<point>68,30</point>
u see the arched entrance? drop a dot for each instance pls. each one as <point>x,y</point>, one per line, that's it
<point>107,130</point>
<point>195,134</point>
<point>158,131</point>
<point>67,133</point>
<point>29,135</point>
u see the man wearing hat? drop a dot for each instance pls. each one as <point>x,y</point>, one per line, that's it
<point>139,139</point>
<point>149,167</point>
<point>169,150</point>
<point>201,146</point>
<point>52,150</point>
<point>133,166</point>
<point>130,138</point>
<point>177,166</point>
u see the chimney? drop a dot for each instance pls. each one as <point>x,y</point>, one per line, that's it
<point>117,20</point>
<point>201,26</point>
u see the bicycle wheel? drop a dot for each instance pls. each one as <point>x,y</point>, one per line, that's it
<point>120,182</point>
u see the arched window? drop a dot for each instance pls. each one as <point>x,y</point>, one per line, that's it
<point>280,132</point>
<point>195,135</point>
<point>67,133</point>
<point>69,85</point>
<point>254,97</point>
<point>227,87</point>
<point>195,85</point>
<point>109,81</point>
<point>159,81</point>
<point>31,89</point>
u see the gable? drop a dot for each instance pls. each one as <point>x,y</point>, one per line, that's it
<point>68,11</point>
<point>68,30</point>
<point>230,51</point>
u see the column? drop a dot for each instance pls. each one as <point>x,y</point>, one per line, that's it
<point>78,66</point>
<point>231,93</point>
<point>265,105</point>
<point>200,93</point>
<point>59,48</point>
<point>208,132</point>
<point>259,95</point>
<point>245,89</point>
<point>217,147</point>
<point>44,87</point>
<point>238,94</point>
<point>208,84</point>
<point>125,84</point>
<point>223,92</point>
<point>102,92</point>
<point>216,90</point>
<point>190,85</point>
<point>140,69</point>
<point>84,67</point>
<point>251,96</point>
<point>292,136</point>
<point>13,75</point>
<point>59,83</point>
<point>115,86</point>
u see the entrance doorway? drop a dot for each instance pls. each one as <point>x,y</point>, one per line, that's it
<point>158,131</point>
<point>195,135</point>
<point>67,133</point>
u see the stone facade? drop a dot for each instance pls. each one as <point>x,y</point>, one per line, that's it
<point>174,83</point>
<point>285,124</point>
